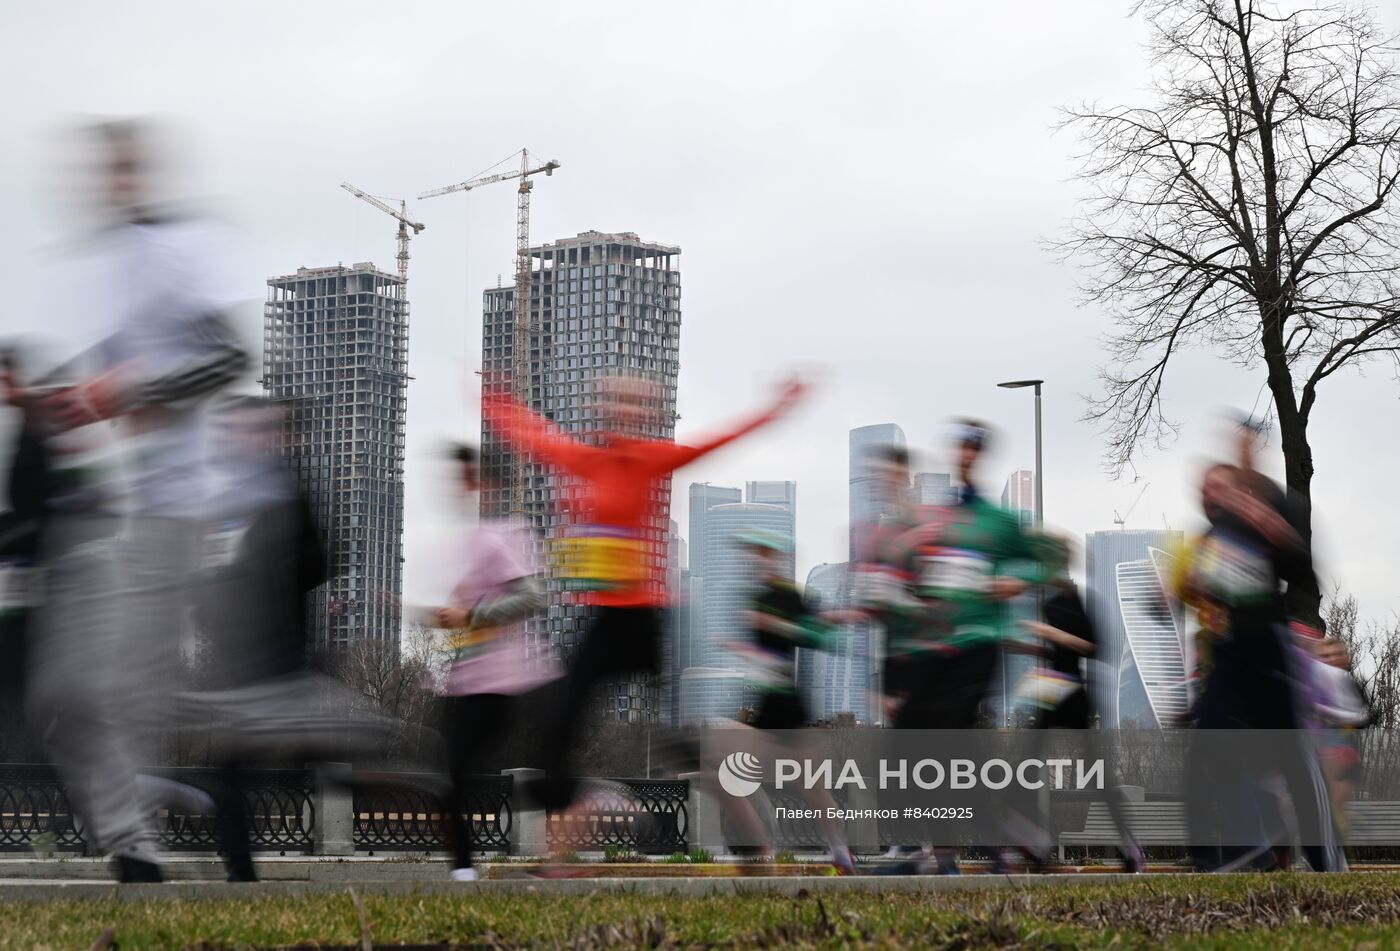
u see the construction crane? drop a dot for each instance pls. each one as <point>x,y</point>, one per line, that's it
<point>521,368</point>
<point>1120,520</point>
<point>405,222</point>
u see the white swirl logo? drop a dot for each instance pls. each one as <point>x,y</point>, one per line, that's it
<point>740,774</point>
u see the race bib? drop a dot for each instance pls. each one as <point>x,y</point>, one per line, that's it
<point>765,668</point>
<point>1045,689</point>
<point>877,586</point>
<point>1233,572</point>
<point>597,558</point>
<point>469,642</point>
<point>21,587</point>
<point>954,573</point>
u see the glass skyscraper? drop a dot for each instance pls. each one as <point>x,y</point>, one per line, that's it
<point>713,693</point>
<point>689,624</point>
<point>729,578</point>
<point>1141,675</point>
<point>866,497</point>
<point>1155,637</point>
<point>722,582</point>
<point>933,488</point>
<point>1018,495</point>
<point>838,680</point>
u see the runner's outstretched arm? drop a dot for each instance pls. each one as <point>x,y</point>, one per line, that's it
<point>792,391</point>
<point>530,432</point>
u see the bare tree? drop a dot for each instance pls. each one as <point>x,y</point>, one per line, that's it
<point>1342,615</point>
<point>1251,209</point>
<point>394,682</point>
<point>1375,655</point>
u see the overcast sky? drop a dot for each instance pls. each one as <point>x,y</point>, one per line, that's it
<point>863,188</point>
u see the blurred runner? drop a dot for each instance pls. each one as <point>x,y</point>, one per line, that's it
<point>607,554</point>
<point>125,535</point>
<point>488,666</point>
<point>882,595</point>
<point>261,556</point>
<point>1060,696</point>
<point>21,526</point>
<point>881,583</point>
<point>1238,569</point>
<point>780,621</point>
<point>263,701</point>
<point>965,560</point>
<point>1340,710</point>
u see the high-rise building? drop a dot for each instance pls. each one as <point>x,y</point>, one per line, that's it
<point>1018,495</point>
<point>599,304</point>
<point>335,354</point>
<point>704,497</point>
<point>677,551</point>
<point>933,488</point>
<point>778,493</point>
<point>677,633</point>
<point>680,625</point>
<point>837,680</point>
<point>867,495</point>
<point>722,582</point>
<point>728,575</point>
<point>772,493</point>
<point>713,693</point>
<point>1140,627</point>
<point>690,629</point>
<point>1155,637</point>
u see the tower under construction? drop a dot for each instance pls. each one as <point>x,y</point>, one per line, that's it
<point>599,303</point>
<point>335,355</point>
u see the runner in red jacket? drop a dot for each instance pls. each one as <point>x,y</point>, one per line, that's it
<point>606,552</point>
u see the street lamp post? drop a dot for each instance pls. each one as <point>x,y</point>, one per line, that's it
<point>1039,507</point>
<point>1039,462</point>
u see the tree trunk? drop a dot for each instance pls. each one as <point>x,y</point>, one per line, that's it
<point>1304,600</point>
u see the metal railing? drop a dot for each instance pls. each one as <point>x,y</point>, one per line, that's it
<point>645,816</point>
<point>401,811</point>
<point>35,812</point>
<point>34,809</point>
<point>389,812</point>
<point>279,804</point>
<point>405,812</point>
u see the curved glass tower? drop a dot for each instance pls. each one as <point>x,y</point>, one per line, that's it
<point>1115,677</point>
<point>1155,639</point>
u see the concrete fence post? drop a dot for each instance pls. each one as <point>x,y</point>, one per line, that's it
<point>703,829</point>
<point>334,801</point>
<point>862,834</point>
<point>529,824</point>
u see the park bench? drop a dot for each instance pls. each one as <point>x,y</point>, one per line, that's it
<point>1153,823</point>
<point>1164,823</point>
<point>1373,822</point>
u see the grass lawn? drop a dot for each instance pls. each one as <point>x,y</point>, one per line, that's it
<point>1273,912</point>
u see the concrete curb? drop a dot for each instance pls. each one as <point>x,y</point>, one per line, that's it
<point>299,869</point>
<point>12,890</point>
<point>212,870</point>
